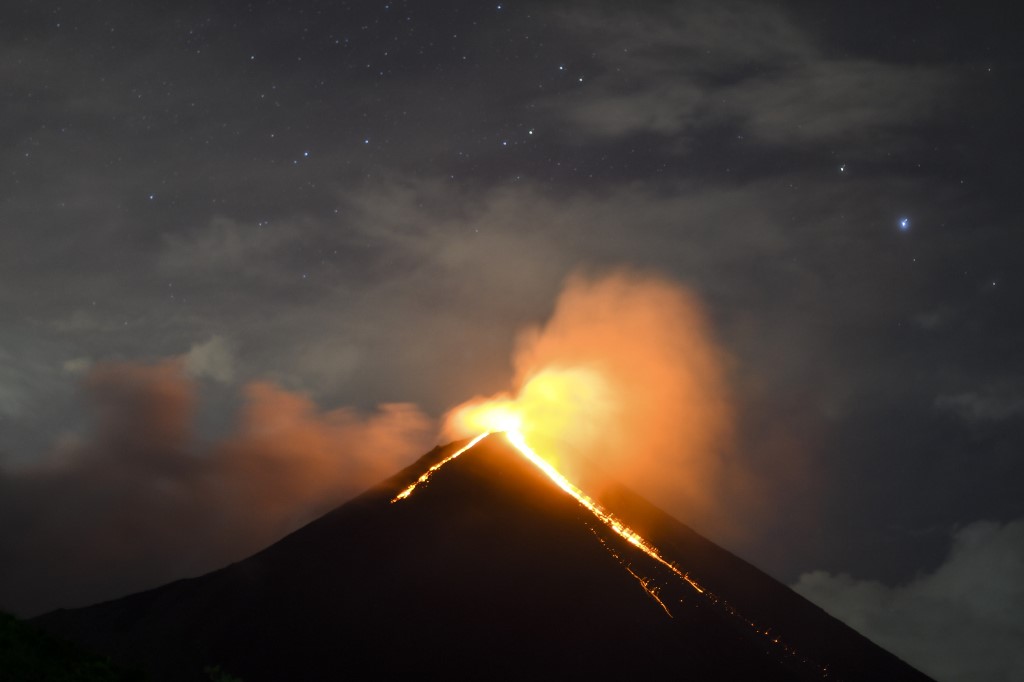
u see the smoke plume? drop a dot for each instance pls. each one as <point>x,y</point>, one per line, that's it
<point>625,373</point>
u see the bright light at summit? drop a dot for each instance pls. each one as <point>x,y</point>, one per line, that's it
<point>553,407</point>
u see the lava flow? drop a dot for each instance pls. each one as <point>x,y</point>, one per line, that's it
<point>607,518</point>
<point>426,475</point>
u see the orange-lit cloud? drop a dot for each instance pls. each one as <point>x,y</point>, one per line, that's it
<point>140,500</point>
<point>625,373</point>
<point>287,457</point>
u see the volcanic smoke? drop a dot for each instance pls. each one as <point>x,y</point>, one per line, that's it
<point>626,374</point>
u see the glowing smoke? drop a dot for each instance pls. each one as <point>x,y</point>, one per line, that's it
<point>626,374</point>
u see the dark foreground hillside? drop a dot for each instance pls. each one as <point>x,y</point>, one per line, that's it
<point>30,655</point>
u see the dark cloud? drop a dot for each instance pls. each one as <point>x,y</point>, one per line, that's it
<point>139,500</point>
<point>961,622</point>
<point>668,72</point>
<point>987,406</point>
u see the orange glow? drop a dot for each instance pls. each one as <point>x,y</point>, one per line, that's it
<point>557,409</point>
<point>625,373</point>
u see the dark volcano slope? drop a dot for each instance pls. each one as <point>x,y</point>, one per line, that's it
<point>488,570</point>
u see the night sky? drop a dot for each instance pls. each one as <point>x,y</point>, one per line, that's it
<point>242,242</point>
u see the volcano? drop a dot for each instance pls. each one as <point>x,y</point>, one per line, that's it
<point>482,567</point>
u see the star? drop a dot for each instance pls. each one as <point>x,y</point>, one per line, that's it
<point>904,224</point>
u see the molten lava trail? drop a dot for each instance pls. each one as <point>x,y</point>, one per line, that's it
<point>429,472</point>
<point>516,439</point>
<point>604,516</point>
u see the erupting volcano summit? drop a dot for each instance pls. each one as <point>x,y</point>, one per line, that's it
<point>481,561</point>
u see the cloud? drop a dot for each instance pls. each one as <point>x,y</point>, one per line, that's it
<point>665,72</point>
<point>227,246</point>
<point>22,379</point>
<point>81,320</point>
<point>77,366</point>
<point>138,501</point>
<point>212,358</point>
<point>963,622</point>
<point>11,401</point>
<point>980,407</point>
<point>829,100</point>
<point>933,320</point>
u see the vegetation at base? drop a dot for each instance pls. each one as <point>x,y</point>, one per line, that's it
<point>215,674</point>
<point>29,655</point>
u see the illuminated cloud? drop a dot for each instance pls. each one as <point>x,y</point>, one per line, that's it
<point>140,500</point>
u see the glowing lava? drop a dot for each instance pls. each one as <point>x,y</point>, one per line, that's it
<point>604,516</point>
<point>559,410</point>
<point>427,474</point>
<point>502,415</point>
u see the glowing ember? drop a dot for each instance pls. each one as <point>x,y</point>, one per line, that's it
<point>652,591</point>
